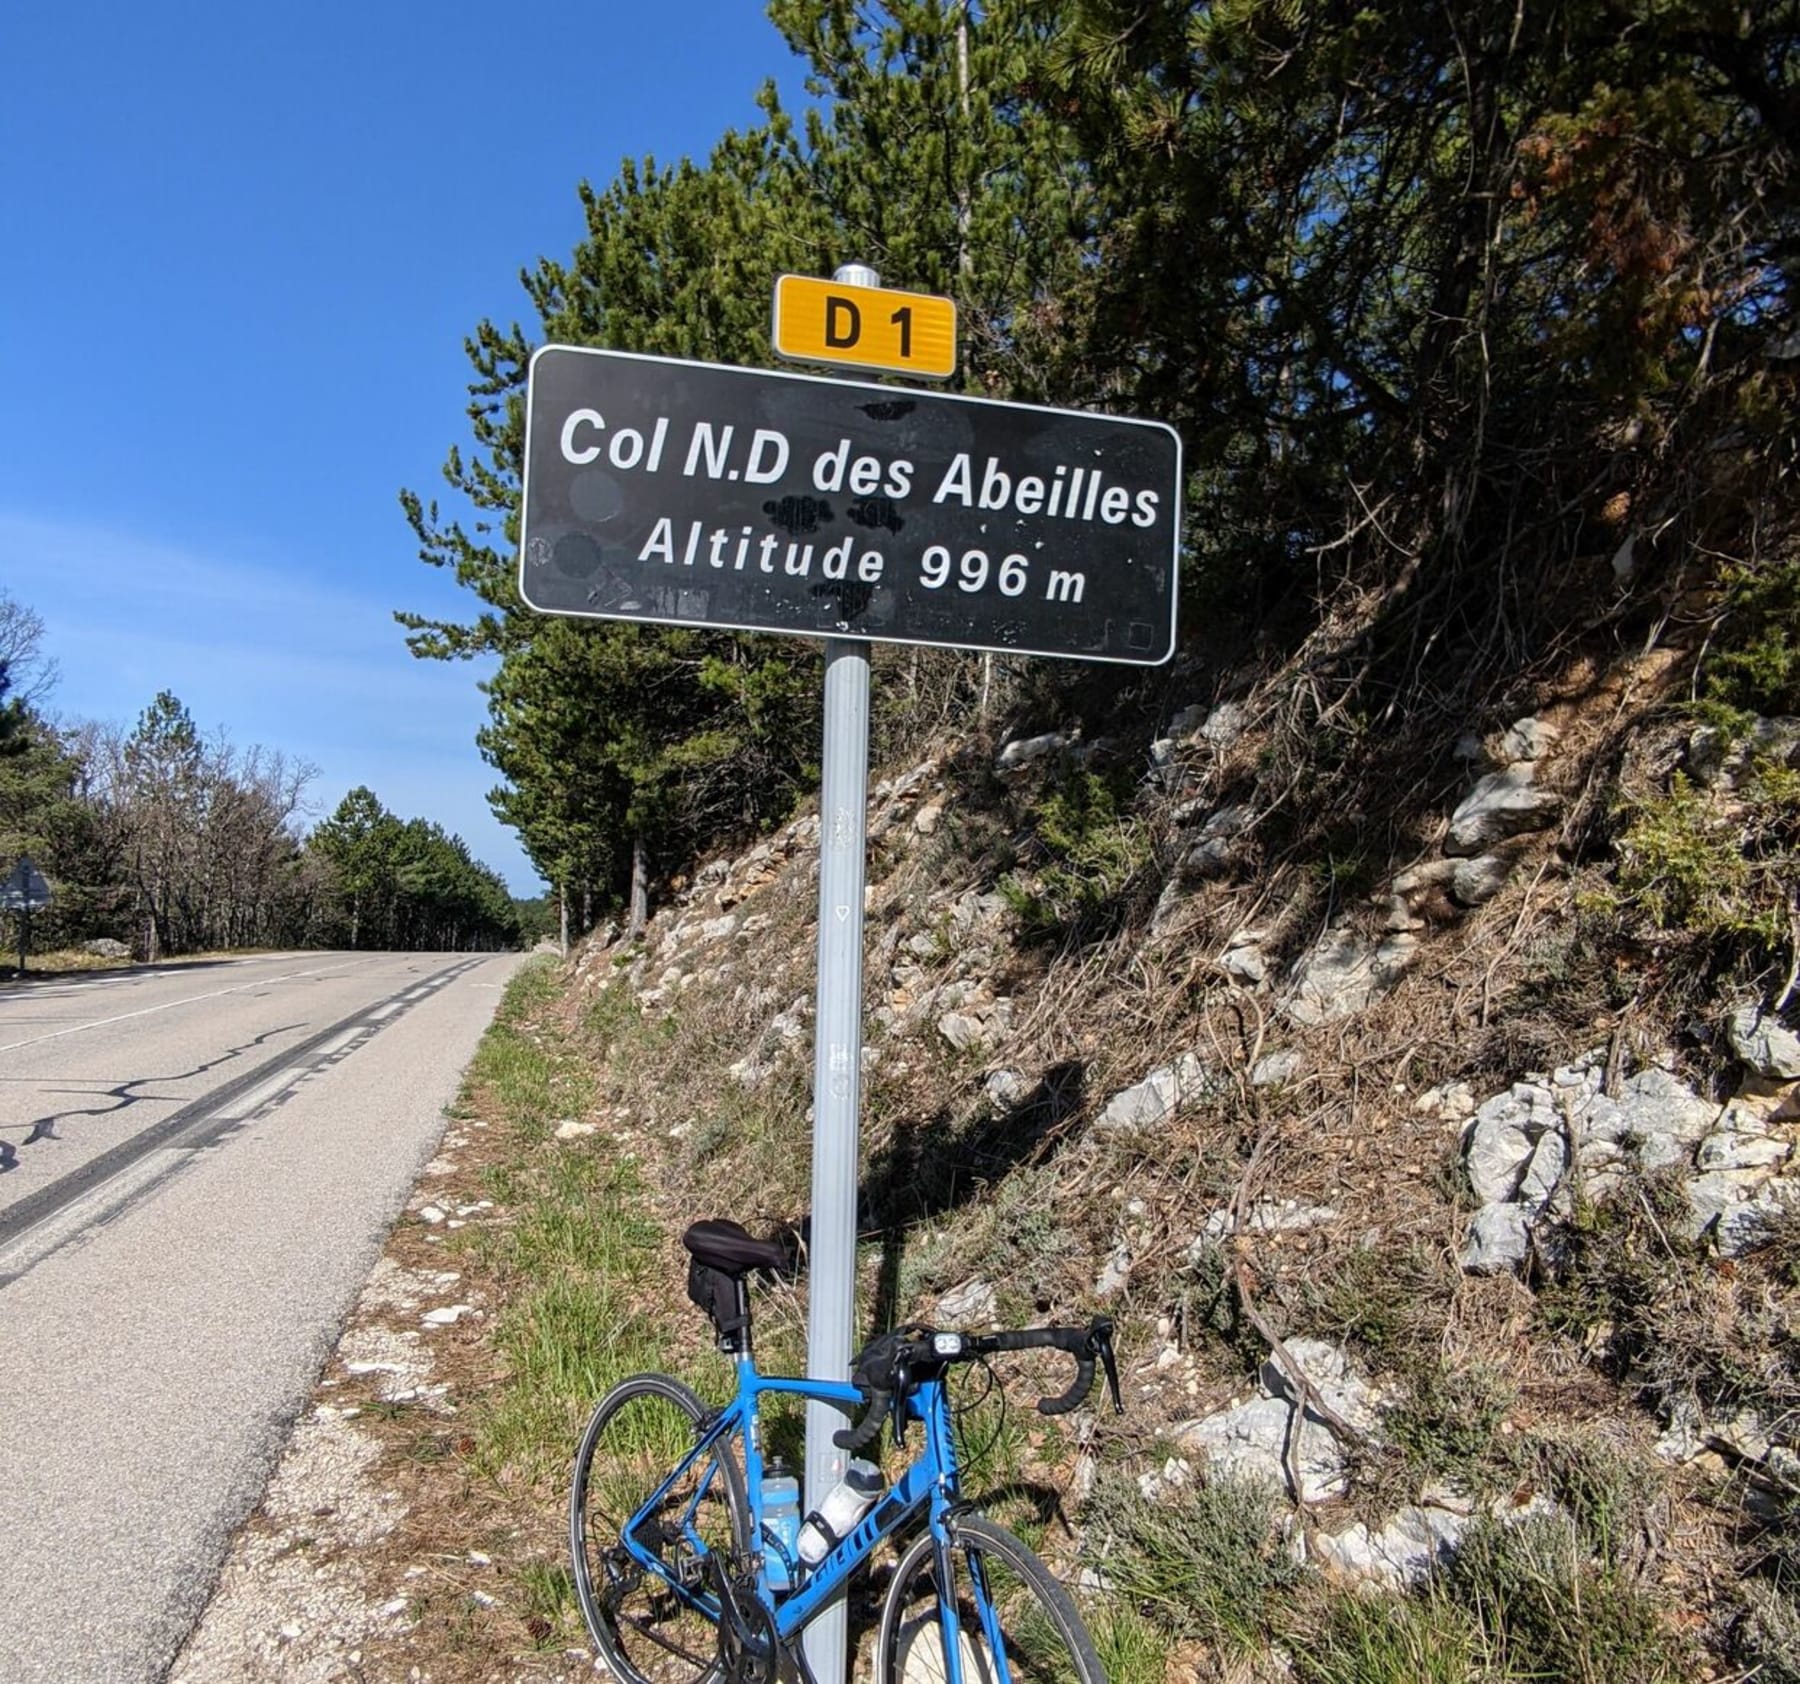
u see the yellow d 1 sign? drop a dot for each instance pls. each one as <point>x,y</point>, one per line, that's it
<point>875,328</point>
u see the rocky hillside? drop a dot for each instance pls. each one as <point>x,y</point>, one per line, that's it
<point>1441,1186</point>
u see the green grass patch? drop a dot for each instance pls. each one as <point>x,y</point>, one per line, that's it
<point>522,1064</point>
<point>1132,1649</point>
<point>547,1603</point>
<point>573,1259</point>
<point>1425,1639</point>
<point>1447,1421</point>
<point>1548,1611</point>
<point>1204,1559</point>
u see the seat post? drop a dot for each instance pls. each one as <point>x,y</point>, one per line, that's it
<point>736,1341</point>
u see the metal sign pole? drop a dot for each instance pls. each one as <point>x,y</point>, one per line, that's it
<point>676,493</point>
<point>837,1087</point>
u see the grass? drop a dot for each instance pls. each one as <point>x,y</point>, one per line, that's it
<point>1546,1597</point>
<point>575,1261</point>
<point>1449,1419</point>
<point>1427,1639</point>
<point>1391,1301</point>
<point>1547,1611</point>
<point>1132,1648</point>
<point>1767,1635</point>
<point>1205,1560</point>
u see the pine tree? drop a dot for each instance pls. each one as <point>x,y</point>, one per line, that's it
<point>930,161</point>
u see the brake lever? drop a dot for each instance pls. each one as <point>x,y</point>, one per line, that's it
<point>897,1402</point>
<point>1100,1342</point>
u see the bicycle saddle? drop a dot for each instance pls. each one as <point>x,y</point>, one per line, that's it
<point>732,1250</point>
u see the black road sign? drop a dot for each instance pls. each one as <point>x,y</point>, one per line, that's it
<point>25,889</point>
<point>695,494</point>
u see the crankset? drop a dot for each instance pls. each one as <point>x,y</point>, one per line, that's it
<point>749,1650</point>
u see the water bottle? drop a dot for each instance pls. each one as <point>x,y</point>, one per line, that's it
<point>781,1522</point>
<point>845,1504</point>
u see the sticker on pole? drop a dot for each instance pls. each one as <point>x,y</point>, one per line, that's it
<point>876,328</point>
<point>694,494</point>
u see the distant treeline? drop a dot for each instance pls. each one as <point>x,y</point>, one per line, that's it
<point>174,842</point>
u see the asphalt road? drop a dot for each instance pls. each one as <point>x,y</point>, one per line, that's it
<point>198,1165</point>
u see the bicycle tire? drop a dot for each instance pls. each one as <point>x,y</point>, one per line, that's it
<point>652,1628</point>
<point>1042,1635</point>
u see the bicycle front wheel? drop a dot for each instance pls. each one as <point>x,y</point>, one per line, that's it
<point>653,1621</point>
<point>1015,1623</point>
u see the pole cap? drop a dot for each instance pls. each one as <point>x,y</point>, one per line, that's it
<point>856,275</point>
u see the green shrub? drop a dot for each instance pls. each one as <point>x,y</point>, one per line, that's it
<point>1203,1559</point>
<point>1093,847</point>
<point>1711,865</point>
<point>1423,1639</point>
<point>1756,664</point>
<point>1447,1421</point>
<point>1548,1612</point>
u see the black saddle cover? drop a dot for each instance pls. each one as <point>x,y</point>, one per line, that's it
<point>731,1249</point>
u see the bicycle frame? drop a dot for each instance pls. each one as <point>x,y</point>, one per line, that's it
<point>929,1485</point>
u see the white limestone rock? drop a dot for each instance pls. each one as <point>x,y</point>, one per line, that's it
<point>1406,1551</point>
<point>962,1030</point>
<point>1246,964</point>
<point>1499,1240</point>
<point>1744,1226</point>
<point>1115,1273</point>
<point>1715,758</point>
<point>1157,1097</point>
<point>1527,739</point>
<point>1502,804</point>
<point>1476,881</point>
<point>1274,1068</point>
<point>1266,1216</point>
<point>1544,1171</point>
<point>972,1303</point>
<point>1730,1149</point>
<point>1006,1087</point>
<point>1022,751</point>
<point>1225,724</point>
<point>1345,973</point>
<point>1503,1134</point>
<point>1764,1044</point>
<point>1249,1440</point>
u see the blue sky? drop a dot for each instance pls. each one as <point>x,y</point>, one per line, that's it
<point>240,247</point>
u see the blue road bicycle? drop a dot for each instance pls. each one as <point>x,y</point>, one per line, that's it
<point>683,1579</point>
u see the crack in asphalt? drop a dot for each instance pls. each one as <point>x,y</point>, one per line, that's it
<point>205,1120</point>
<point>44,1128</point>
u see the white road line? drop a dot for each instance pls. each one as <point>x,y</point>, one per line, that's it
<point>166,1006</point>
<point>94,1206</point>
<point>248,1104</point>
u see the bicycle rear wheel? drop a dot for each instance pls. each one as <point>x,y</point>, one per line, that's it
<point>1017,1625</point>
<point>652,1624</point>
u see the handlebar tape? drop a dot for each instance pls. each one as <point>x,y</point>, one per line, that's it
<point>854,1438</point>
<point>888,1359</point>
<point>1079,1342</point>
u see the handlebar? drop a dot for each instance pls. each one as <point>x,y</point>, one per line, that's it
<point>890,1365</point>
